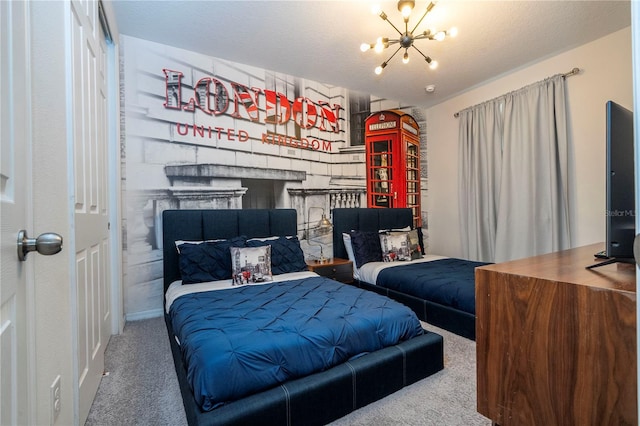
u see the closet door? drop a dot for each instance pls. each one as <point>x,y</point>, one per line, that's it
<point>90,187</point>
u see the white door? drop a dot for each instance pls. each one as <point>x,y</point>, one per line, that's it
<point>91,196</point>
<point>15,207</point>
<point>88,143</point>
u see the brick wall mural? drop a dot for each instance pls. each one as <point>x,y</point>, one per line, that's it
<point>203,132</point>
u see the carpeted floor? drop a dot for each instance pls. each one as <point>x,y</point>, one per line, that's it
<point>140,387</point>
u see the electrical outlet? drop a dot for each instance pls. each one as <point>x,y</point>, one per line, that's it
<point>54,391</point>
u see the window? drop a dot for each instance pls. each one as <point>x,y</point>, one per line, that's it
<point>359,110</point>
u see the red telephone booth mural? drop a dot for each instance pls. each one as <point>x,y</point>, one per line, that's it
<point>392,140</point>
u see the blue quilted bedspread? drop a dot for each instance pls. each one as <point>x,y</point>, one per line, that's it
<point>246,339</point>
<point>449,282</point>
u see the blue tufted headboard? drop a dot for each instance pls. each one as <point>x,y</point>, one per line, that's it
<point>198,225</point>
<point>366,219</point>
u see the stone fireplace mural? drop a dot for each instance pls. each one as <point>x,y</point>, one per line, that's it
<point>202,132</point>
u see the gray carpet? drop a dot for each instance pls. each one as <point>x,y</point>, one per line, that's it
<point>141,386</point>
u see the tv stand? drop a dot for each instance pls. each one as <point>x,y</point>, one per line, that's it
<point>612,260</point>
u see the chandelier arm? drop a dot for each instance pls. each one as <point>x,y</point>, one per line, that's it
<point>394,54</point>
<point>422,36</point>
<point>394,27</point>
<point>427,58</point>
<point>431,5</point>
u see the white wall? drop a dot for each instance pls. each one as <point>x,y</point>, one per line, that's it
<point>606,74</point>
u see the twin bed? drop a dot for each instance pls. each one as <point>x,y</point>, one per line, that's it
<point>440,290</point>
<point>258,339</point>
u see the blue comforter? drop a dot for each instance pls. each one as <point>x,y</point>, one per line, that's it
<point>449,282</point>
<point>246,339</point>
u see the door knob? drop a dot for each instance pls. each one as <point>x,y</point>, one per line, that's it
<point>47,244</point>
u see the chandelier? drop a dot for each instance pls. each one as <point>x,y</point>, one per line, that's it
<point>406,39</point>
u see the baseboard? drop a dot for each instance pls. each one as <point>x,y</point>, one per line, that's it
<point>153,313</point>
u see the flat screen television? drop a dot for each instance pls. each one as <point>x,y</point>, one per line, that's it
<point>620,186</point>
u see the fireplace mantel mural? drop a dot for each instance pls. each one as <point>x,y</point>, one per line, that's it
<point>203,132</point>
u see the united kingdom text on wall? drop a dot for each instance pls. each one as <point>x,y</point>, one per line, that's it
<point>215,98</point>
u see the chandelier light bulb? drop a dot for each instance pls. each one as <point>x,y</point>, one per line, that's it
<point>379,47</point>
<point>439,36</point>
<point>376,9</point>
<point>433,65</point>
<point>379,69</point>
<point>453,32</point>
<point>364,47</point>
<point>405,7</point>
<point>405,58</point>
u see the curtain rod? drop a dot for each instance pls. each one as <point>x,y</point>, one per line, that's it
<point>573,71</point>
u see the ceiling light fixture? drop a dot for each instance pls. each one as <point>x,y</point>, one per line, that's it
<point>407,38</point>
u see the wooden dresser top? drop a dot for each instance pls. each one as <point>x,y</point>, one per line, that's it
<point>569,266</point>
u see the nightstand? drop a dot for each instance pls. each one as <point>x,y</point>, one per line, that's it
<point>336,269</point>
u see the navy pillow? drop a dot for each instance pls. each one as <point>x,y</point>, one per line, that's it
<point>207,261</point>
<point>286,254</point>
<point>366,247</point>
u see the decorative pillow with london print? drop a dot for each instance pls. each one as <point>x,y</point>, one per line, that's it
<point>414,242</point>
<point>250,265</point>
<point>395,246</point>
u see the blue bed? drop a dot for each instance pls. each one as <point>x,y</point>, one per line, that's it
<point>448,282</point>
<point>253,337</point>
<point>441,291</point>
<point>349,361</point>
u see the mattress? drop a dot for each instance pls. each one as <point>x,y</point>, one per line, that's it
<point>368,272</point>
<point>238,340</point>
<point>446,281</point>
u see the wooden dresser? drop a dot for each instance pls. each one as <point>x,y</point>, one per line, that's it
<point>556,343</point>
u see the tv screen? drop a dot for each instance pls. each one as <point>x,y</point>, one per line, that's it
<point>620,189</point>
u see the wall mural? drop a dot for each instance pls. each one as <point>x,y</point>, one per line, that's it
<point>203,132</point>
<point>215,98</point>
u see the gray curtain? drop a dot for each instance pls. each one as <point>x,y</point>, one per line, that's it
<point>513,174</point>
<point>480,169</point>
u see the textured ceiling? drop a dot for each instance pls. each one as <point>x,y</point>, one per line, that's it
<point>320,40</point>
